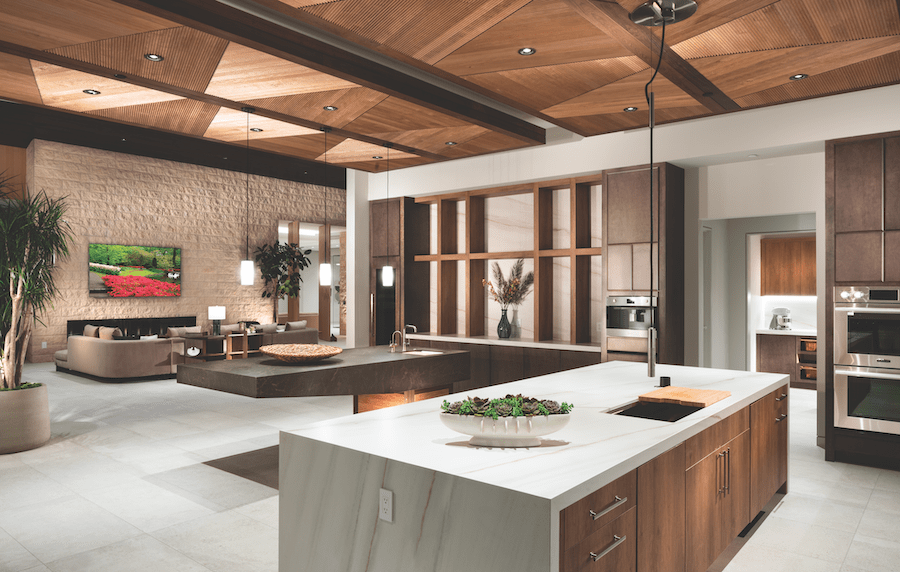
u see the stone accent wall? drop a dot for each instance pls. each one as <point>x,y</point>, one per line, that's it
<point>115,198</point>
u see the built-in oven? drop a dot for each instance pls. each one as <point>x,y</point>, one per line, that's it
<point>629,316</point>
<point>867,358</point>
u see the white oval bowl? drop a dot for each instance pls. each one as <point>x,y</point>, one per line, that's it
<point>505,431</point>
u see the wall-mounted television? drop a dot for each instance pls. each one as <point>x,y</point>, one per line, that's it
<point>119,271</point>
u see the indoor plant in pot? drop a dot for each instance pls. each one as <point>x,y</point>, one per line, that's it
<point>280,265</point>
<point>509,292</point>
<point>33,235</point>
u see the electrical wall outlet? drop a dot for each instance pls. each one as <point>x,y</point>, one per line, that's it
<point>386,505</point>
<point>43,345</point>
<point>599,326</point>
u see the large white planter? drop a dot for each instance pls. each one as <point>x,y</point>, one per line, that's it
<point>505,431</point>
<point>24,419</point>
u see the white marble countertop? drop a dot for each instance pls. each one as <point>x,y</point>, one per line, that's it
<point>592,450</point>
<point>495,341</point>
<point>797,332</point>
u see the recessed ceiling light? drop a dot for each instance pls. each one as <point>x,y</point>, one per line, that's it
<point>255,129</point>
<point>527,51</point>
<point>377,157</point>
<point>797,76</point>
<point>91,92</point>
<point>451,143</point>
<point>330,108</point>
<point>630,109</point>
<point>154,57</point>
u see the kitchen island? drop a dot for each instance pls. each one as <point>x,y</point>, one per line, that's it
<point>457,507</point>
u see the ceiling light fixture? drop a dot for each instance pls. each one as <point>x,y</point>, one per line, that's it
<point>247,270</point>
<point>527,51</point>
<point>387,271</point>
<point>330,108</point>
<point>630,109</point>
<point>451,143</point>
<point>797,76</point>
<point>377,157</point>
<point>91,92</point>
<point>325,267</point>
<point>154,57</point>
<point>256,130</point>
<point>657,13</point>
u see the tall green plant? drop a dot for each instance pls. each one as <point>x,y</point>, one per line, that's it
<point>280,266</point>
<point>33,235</point>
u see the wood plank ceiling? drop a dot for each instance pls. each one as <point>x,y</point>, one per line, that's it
<point>590,63</point>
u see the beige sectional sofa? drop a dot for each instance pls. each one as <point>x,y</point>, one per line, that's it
<point>118,359</point>
<point>121,359</point>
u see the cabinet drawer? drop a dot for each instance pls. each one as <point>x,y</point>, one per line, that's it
<point>611,548</point>
<point>712,438</point>
<point>596,510</point>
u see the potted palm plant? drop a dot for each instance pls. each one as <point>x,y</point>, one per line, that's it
<point>280,266</point>
<point>33,235</point>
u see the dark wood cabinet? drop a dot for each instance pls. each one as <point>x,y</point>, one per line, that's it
<point>768,448</point>
<point>660,532</point>
<point>717,507</point>
<point>507,364</point>
<point>791,355</point>
<point>863,193</point>
<point>788,266</point>
<point>629,254</point>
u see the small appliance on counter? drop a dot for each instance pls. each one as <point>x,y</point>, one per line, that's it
<point>781,319</point>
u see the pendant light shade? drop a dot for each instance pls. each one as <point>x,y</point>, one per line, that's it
<point>387,276</point>
<point>324,274</point>
<point>387,271</point>
<point>247,270</point>
<point>325,266</point>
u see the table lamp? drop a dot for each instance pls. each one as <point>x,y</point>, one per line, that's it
<point>217,314</point>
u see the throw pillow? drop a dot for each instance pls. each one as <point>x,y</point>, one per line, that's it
<point>230,329</point>
<point>192,330</point>
<point>267,328</point>
<point>91,331</point>
<point>153,337</point>
<point>175,332</point>
<point>295,325</point>
<point>110,333</point>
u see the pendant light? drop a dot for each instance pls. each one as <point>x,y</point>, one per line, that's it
<point>325,267</point>
<point>652,14</point>
<point>247,270</point>
<point>387,271</point>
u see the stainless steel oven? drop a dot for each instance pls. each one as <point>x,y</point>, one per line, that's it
<point>867,327</point>
<point>867,358</point>
<point>629,316</point>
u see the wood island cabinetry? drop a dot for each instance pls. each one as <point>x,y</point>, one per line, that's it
<point>768,448</point>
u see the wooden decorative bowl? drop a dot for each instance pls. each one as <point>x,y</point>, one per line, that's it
<point>300,353</point>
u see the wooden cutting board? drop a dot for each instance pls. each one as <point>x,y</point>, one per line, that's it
<point>685,396</point>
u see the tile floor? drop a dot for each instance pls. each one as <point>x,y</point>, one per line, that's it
<point>122,486</point>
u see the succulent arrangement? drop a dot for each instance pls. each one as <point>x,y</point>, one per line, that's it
<point>509,406</point>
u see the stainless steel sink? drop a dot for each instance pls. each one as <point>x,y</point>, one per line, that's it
<point>658,411</point>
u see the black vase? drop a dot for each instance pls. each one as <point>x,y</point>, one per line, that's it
<point>503,328</point>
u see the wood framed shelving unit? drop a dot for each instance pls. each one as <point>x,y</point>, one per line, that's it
<point>473,253</point>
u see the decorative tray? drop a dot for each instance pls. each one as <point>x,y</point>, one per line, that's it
<point>300,353</point>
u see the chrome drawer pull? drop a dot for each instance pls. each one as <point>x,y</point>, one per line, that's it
<point>618,502</point>
<point>782,418</point>
<point>783,395</point>
<point>618,540</point>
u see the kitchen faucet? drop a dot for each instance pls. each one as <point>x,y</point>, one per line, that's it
<point>404,338</point>
<point>394,343</point>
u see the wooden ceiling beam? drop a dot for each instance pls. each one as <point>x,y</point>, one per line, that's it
<point>69,63</point>
<point>612,19</point>
<point>235,25</point>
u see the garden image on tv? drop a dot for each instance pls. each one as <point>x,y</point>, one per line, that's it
<point>133,271</point>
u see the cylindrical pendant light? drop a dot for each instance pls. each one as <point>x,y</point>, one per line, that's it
<point>325,264</point>
<point>247,270</point>
<point>387,271</point>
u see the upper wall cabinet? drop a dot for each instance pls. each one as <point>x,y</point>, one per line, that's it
<point>865,196</point>
<point>788,266</point>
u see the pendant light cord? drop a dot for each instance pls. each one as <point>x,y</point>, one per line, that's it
<point>649,98</point>
<point>247,218</point>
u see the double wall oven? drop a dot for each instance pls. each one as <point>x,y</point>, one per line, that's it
<point>867,358</point>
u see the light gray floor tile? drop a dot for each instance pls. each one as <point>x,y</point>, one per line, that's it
<point>88,471</point>
<point>804,539</point>
<point>146,506</point>
<point>853,475</point>
<point>212,487</point>
<point>13,556</point>
<point>889,481</point>
<point>877,523</point>
<point>265,511</point>
<point>22,485</point>
<point>810,510</point>
<point>140,554</point>
<point>886,501</point>
<point>829,490</point>
<point>225,542</point>
<point>160,428</point>
<point>58,529</point>
<point>874,554</point>
<point>755,558</point>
